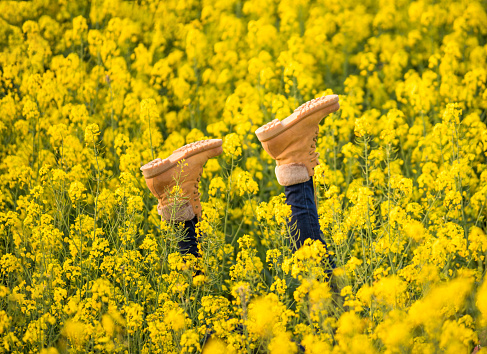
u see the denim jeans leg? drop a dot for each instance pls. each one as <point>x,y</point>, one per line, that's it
<point>190,243</point>
<point>304,222</point>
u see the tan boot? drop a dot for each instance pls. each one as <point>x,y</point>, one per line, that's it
<point>292,141</point>
<point>162,176</point>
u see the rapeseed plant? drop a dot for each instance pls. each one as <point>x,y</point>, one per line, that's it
<point>91,90</point>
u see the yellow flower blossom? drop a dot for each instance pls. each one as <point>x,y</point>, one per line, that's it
<point>91,133</point>
<point>232,145</point>
<point>87,263</point>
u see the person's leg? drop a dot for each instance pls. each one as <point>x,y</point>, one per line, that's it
<point>292,143</point>
<point>304,223</point>
<point>174,182</point>
<point>189,245</point>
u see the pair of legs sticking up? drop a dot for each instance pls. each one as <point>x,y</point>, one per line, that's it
<point>291,142</point>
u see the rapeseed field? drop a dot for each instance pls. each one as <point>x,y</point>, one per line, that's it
<point>92,90</point>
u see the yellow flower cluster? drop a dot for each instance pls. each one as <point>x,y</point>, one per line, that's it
<point>92,90</point>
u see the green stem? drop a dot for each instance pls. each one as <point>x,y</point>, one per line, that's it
<point>150,139</point>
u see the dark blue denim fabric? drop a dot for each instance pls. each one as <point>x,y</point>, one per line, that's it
<point>304,222</point>
<point>190,242</point>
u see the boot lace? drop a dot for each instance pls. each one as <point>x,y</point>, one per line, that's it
<point>314,155</point>
<point>196,193</point>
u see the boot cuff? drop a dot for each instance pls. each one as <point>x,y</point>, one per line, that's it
<point>292,173</point>
<point>176,213</point>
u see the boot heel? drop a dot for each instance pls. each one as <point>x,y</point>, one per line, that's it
<point>269,130</point>
<point>155,167</point>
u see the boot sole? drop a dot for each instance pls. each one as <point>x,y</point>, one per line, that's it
<point>159,166</point>
<point>329,104</point>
